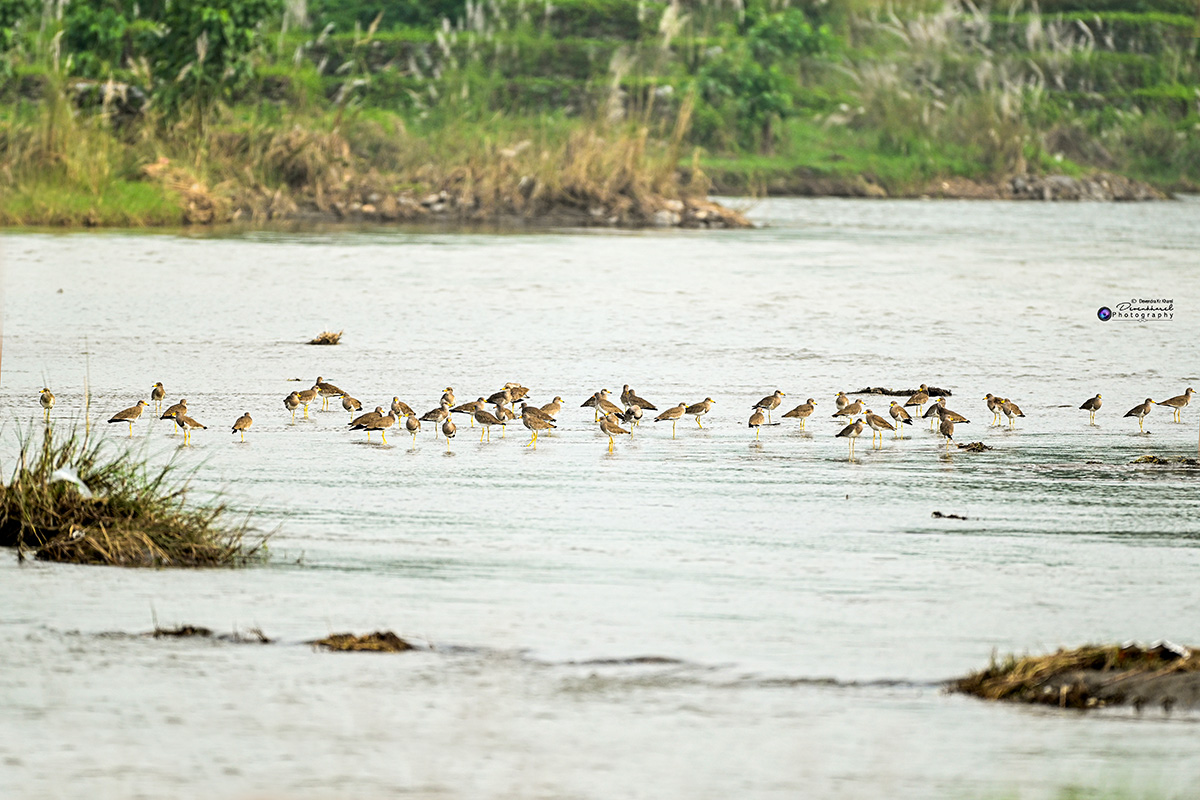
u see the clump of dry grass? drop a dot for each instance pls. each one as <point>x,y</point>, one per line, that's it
<point>69,500</point>
<point>1086,677</point>
<point>327,337</point>
<point>377,642</point>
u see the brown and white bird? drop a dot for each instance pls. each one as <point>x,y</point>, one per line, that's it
<point>918,398</point>
<point>802,412</point>
<point>413,426</point>
<point>436,415</point>
<point>877,425</point>
<point>178,408</point>
<point>901,416</point>
<point>242,424</point>
<point>401,409</point>
<point>552,408</point>
<point>1177,403</point>
<point>757,420</point>
<point>361,422</point>
<point>376,423</point>
<point>448,430</point>
<point>1092,405</point>
<point>188,424</point>
<point>841,400</point>
<point>630,398</point>
<point>953,416</point>
<point>326,390</point>
<point>947,430</point>
<point>993,404</point>
<point>672,415</point>
<point>1011,410</point>
<point>698,410</point>
<point>1140,411</point>
<point>770,403</point>
<point>610,426</point>
<point>540,413</point>
<point>851,432</point>
<point>307,396</point>
<point>849,410</point>
<point>487,419</point>
<point>350,404</point>
<point>469,409</point>
<point>535,420</point>
<point>130,415</point>
<point>603,405</point>
<point>47,402</point>
<point>157,393</point>
<point>632,417</point>
<point>291,403</point>
<point>448,396</point>
<point>934,414</point>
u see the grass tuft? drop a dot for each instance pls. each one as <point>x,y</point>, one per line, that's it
<point>327,337</point>
<point>68,500</point>
<point>1086,677</point>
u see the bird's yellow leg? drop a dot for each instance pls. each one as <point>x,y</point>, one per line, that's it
<point>698,422</point>
<point>243,436</point>
<point>131,430</point>
<point>610,443</point>
<point>673,429</point>
<point>383,435</point>
<point>481,433</point>
<point>503,430</point>
<point>447,443</point>
<point>756,433</point>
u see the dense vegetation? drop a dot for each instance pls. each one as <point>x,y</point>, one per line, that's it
<point>131,110</point>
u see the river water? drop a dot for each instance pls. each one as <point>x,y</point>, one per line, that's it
<point>707,616</point>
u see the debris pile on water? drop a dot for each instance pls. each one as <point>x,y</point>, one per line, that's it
<point>974,447</point>
<point>932,391</point>
<point>377,642</point>
<point>940,515</point>
<point>1093,676</point>
<point>327,337</point>
<point>1175,461</point>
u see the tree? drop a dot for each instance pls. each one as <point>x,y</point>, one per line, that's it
<point>204,51</point>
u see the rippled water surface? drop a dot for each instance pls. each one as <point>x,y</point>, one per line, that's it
<point>707,616</point>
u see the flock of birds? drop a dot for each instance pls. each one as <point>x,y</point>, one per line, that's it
<point>610,416</point>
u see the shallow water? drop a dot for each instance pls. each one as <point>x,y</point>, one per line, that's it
<point>802,609</point>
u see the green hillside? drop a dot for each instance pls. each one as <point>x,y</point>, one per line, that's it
<point>767,95</point>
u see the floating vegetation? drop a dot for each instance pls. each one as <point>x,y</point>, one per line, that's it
<point>932,391</point>
<point>70,501</point>
<point>940,515</point>
<point>249,636</point>
<point>1093,676</point>
<point>974,447</point>
<point>1175,461</point>
<point>377,642</point>
<point>327,337</point>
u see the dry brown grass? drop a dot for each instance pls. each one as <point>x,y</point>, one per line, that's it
<point>377,642</point>
<point>327,337</point>
<point>1085,677</point>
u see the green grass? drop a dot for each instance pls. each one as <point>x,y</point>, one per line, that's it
<point>75,498</point>
<point>121,203</point>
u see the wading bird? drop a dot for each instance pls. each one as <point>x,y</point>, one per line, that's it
<point>130,415</point>
<point>242,425</point>
<point>1140,411</point>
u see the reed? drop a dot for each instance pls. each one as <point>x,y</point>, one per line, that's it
<point>71,500</point>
